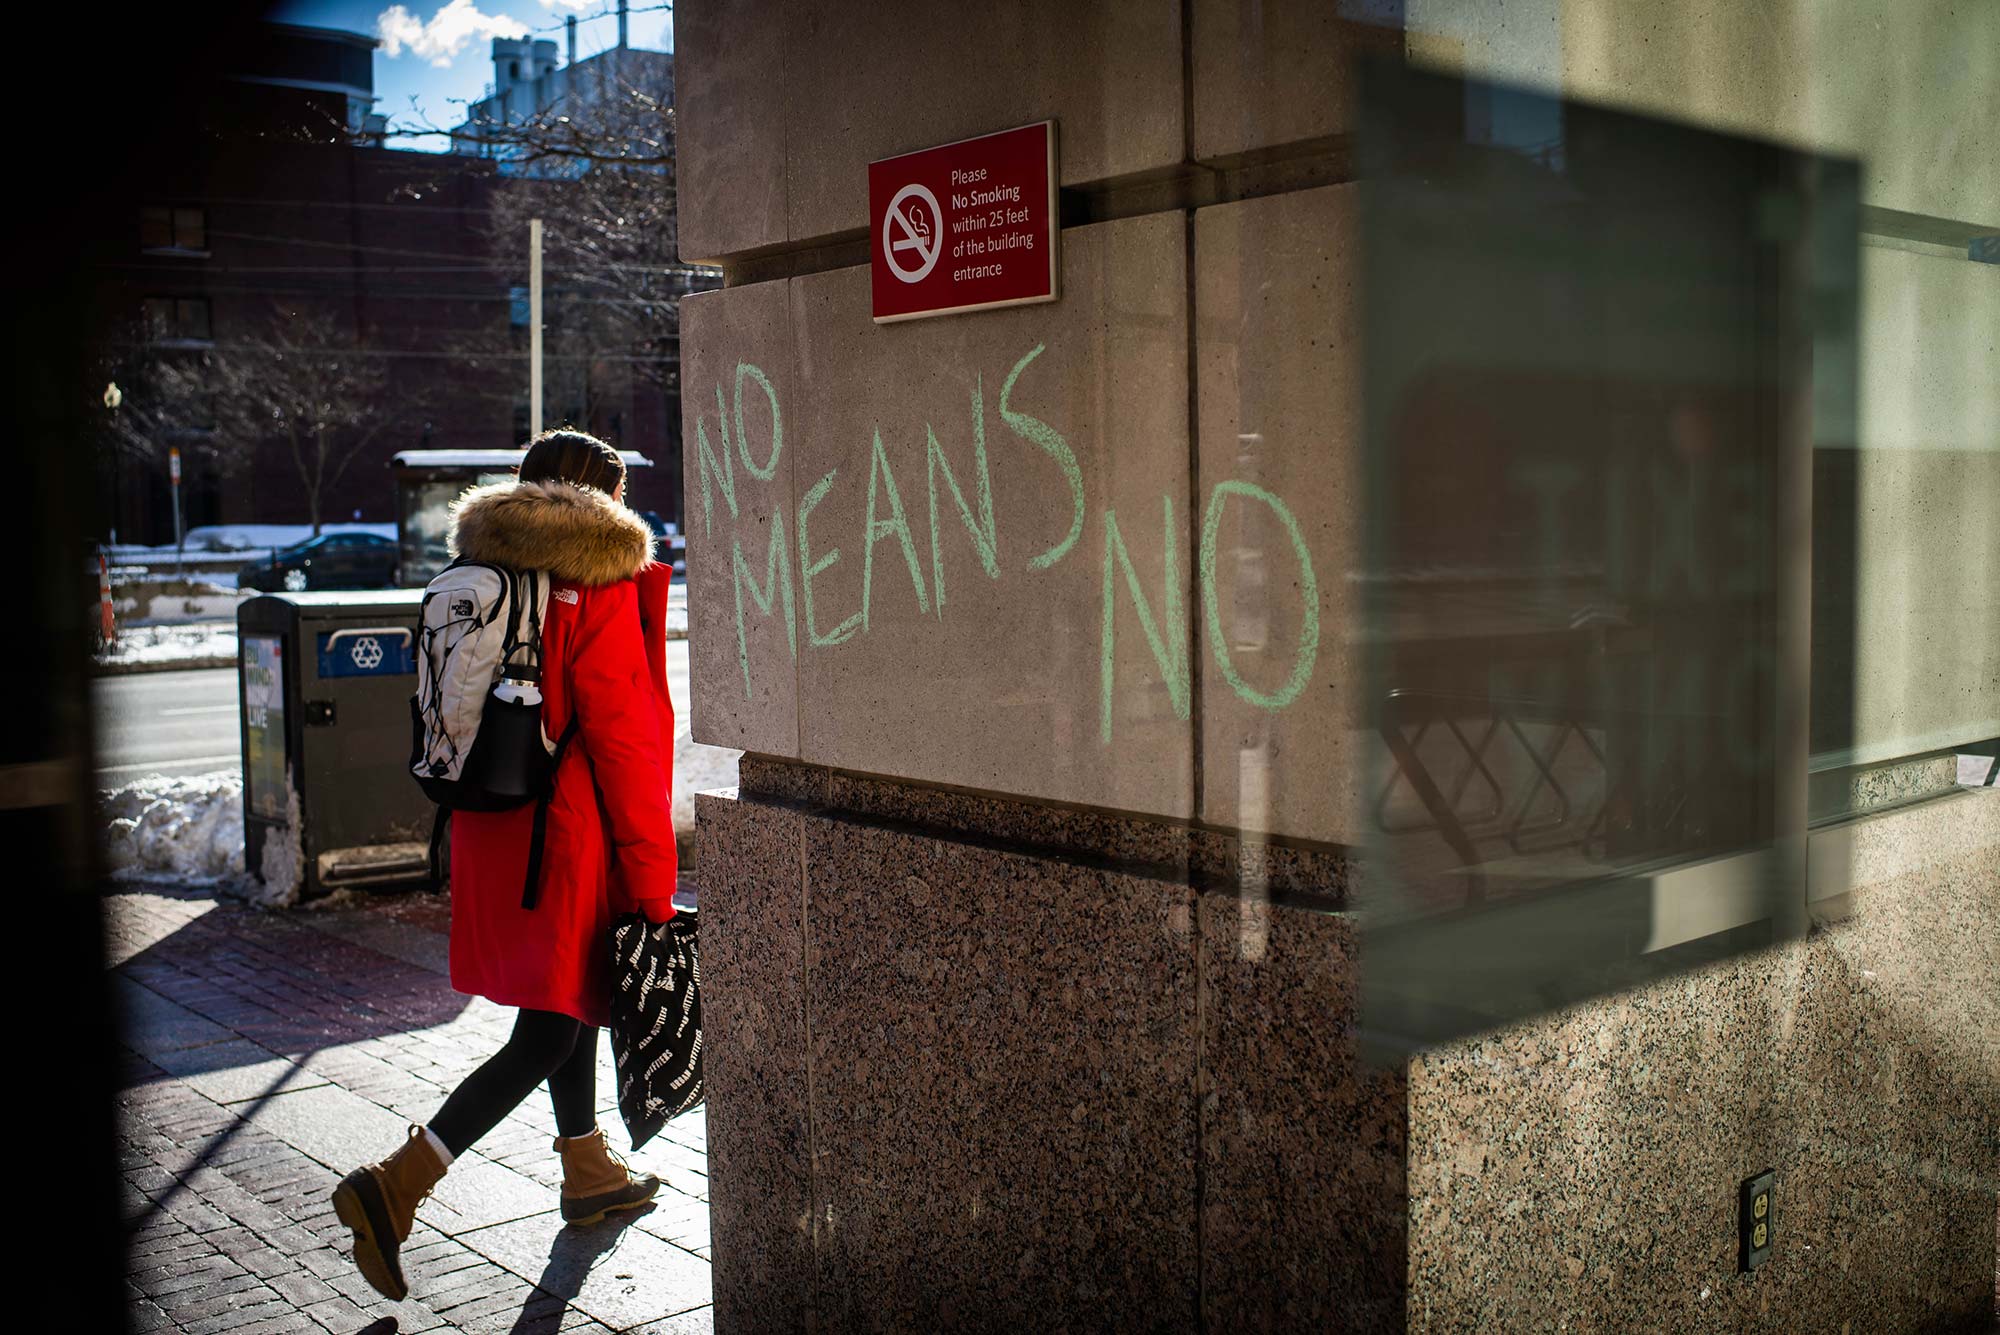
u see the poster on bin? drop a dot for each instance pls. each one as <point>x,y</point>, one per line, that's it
<point>264,726</point>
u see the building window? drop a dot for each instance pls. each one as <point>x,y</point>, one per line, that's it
<point>178,321</point>
<point>173,231</point>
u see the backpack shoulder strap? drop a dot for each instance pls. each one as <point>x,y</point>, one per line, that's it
<point>439,824</point>
<point>531,890</point>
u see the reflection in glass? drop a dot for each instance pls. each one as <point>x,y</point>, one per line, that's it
<point>1590,348</point>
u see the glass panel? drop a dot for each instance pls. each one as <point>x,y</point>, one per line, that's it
<point>190,229</point>
<point>158,315</point>
<point>192,318</point>
<point>1590,346</point>
<point>155,228</point>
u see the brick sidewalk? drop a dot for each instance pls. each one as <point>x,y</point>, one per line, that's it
<point>266,1054</point>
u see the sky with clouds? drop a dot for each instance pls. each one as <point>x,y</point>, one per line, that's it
<point>434,58</point>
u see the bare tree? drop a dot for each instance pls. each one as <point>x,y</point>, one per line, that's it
<point>154,397</point>
<point>301,381</point>
<point>599,171</point>
<point>598,168</point>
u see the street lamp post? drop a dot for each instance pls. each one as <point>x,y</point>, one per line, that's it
<point>113,396</point>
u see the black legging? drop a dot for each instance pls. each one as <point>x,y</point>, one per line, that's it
<point>544,1046</point>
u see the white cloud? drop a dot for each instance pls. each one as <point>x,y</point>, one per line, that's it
<point>574,6</point>
<point>449,30</point>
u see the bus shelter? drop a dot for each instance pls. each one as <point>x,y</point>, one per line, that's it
<point>427,482</point>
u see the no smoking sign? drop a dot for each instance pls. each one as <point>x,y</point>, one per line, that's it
<point>912,226</point>
<point>965,226</point>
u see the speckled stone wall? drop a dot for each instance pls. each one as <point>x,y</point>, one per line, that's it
<point>1303,1208</point>
<point>754,1061</point>
<point>1579,1172</point>
<point>968,1074</point>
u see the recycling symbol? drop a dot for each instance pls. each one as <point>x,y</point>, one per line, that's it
<point>366,653</point>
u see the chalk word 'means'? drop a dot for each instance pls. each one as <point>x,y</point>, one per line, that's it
<point>1167,633</point>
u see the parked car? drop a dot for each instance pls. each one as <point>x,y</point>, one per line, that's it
<point>668,543</point>
<point>330,561</point>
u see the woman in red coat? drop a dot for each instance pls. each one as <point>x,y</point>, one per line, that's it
<point>609,844</point>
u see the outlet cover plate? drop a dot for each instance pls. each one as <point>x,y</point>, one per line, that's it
<point>1756,1219</point>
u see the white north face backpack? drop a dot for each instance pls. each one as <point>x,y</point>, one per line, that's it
<point>476,736</point>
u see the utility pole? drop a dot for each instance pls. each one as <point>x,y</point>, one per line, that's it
<point>534,327</point>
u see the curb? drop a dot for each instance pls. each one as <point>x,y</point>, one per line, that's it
<point>117,669</point>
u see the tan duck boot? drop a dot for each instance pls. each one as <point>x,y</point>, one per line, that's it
<point>379,1202</point>
<point>596,1180</point>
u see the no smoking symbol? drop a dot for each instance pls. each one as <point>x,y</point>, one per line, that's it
<point>367,653</point>
<point>912,224</point>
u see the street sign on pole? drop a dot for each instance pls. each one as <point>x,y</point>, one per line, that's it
<point>180,537</point>
<point>108,623</point>
<point>965,226</point>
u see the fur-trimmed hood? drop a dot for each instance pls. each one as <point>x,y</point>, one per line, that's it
<point>577,534</point>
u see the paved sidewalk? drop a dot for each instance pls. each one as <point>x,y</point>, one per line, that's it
<point>266,1054</point>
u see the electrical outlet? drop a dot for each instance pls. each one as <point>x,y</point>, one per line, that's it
<point>1756,1219</point>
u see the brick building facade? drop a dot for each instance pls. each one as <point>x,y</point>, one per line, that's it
<point>393,250</point>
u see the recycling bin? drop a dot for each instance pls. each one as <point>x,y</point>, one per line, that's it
<point>325,712</point>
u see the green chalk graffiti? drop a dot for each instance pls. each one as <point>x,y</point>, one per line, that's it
<point>984,537</point>
<point>1167,636</point>
<point>770,467</point>
<point>1050,441</point>
<point>1308,650</point>
<point>809,567</point>
<point>898,523</point>
<point>777,575</point>
<point>706,461</point>
<point>1169,652</point>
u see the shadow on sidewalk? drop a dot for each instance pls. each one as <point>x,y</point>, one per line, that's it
<point>572,1256</point>
<point>195,1005</point>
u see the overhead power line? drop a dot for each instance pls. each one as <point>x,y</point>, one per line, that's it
<point>603,14</point>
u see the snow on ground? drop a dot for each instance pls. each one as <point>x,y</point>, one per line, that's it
<point>188,830</point>
<point>207,644</point>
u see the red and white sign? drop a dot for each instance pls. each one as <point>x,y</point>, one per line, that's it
<point>174,464</point>
<point>965,226</point>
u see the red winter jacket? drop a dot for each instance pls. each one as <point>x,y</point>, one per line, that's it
<point>610,837</point>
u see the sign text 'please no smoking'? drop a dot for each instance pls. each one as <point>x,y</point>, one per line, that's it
<point>965,226</point>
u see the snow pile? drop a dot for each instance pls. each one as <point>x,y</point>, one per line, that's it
<point>188,829</point>
<point>152,598</point>
<point>282,866</point>
<point>202,644</point>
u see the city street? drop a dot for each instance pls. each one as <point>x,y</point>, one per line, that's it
<point>264,1055</point>
<point>184,723</point>
<point>171,723</point>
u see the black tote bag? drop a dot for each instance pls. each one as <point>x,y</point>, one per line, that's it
<point>655,1020</point>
